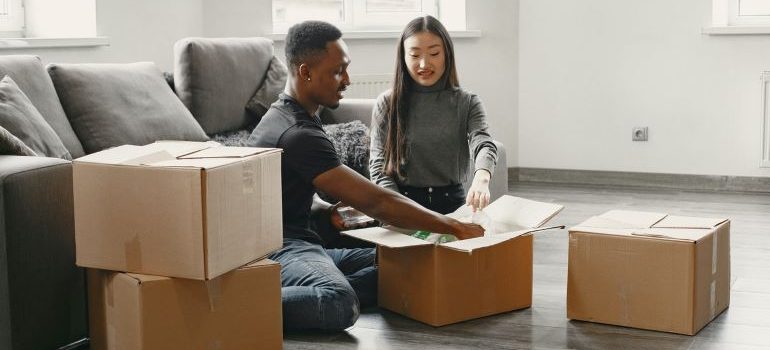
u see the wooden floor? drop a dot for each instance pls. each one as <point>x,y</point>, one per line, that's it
<point>744,325</point>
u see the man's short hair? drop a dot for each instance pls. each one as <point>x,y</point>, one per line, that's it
<point>307,39</point>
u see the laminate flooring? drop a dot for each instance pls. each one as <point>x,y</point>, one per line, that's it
<point>744,325</point>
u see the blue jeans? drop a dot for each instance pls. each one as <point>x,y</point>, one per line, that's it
<point>325,288</point>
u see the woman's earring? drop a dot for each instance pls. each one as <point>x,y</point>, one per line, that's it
<point>308,78</point>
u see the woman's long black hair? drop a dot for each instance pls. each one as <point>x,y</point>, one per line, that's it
<point>395,113</point>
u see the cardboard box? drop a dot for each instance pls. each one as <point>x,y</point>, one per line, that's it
<point>178,209</point>
<point>461,280</point>
<point>238,310</point>
<point>649,270</point>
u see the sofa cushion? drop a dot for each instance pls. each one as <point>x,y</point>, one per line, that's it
<point>351,141</point>
<point>11,145</point>
<point>29,74</point>
<point>267,93</point>
<point>215,78</point>
<point>22,120</point>
<point>115,104</point>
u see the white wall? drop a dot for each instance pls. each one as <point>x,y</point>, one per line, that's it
<point>486,65</point>
<point>592,70</point>
<point>138,30</point>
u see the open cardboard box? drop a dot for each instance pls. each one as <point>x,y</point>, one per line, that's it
<point>461,280</point>
<point>649,270</point>
<point>178,209</point>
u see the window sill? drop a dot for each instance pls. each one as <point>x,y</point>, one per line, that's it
<point>385,35</point>
<point>736,30</point>
<point>28,43</point>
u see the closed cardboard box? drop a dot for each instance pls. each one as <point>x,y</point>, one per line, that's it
<point>462,280</point>
<point>178,209</point>
<point>238,310</point>
<point>649,270</point>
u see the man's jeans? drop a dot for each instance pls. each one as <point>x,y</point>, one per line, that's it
<point>325,288</point>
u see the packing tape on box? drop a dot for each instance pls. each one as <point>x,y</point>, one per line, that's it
<point>714,253</point>
<point>214,289</point>
<point>112,335</point>
<point>132,251</point>
<point>714,264</point>
<point>713,297</point>
<point>249,173</point>
<point>214,344</point>
<point>106,286</point>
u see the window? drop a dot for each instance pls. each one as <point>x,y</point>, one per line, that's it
<point>749,12</point>
<point>741,13</point>
<point>366,15</point>
<point>11,18</point>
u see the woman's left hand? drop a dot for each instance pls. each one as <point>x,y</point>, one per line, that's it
<point>478,194</point>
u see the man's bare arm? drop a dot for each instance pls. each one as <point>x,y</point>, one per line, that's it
<point>388,206</point>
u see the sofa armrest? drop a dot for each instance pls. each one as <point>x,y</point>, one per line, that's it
<point>42,292</point>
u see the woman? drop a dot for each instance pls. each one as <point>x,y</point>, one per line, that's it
<point>425,125</point>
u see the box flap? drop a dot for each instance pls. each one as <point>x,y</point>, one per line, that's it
<point>140,278</point>
<point>636,219</point>
<point>386,237</point>
<point>196,163</point>
<point>226,152</point>
<point>469,245</point>
<point>181,148</point>
<point>676,234</point>
<point>651,225</point>
<point>672,221</point>
<point>509,213</point>
<point>126,155</point>
<point>514,212</point>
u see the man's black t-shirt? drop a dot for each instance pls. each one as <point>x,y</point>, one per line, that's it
<point>307,152</point>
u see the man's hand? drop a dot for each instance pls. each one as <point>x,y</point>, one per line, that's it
<point>478,194</point>
<point>467,230</point>
<point>351,219</point>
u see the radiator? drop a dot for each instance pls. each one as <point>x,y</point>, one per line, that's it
<point>368,85</point>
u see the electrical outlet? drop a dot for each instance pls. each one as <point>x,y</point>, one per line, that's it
<point>639,133</point>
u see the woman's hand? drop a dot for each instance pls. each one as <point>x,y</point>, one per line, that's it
<point>478,194</point>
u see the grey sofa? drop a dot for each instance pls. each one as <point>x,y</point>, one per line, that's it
<point>42,292</point>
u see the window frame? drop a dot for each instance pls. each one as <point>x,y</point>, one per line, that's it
<point>735,19</point>
<point>356,20</point>
<point>12,24</point>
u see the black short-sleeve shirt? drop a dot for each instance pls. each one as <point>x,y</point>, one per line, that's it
<point>307,152</point>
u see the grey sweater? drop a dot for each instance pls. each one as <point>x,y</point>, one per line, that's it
<point>444,128</point>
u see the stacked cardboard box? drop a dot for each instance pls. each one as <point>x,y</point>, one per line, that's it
<point>173,229</point>
<point>649,270</point>
<point>461,280</point>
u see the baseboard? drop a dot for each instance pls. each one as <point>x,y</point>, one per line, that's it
<point>652,180</point>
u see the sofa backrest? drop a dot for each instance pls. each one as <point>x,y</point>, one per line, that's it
<point>31,77</point>
<point>350,109</point>
<point>216,77</point>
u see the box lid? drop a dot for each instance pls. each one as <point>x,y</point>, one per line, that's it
<point>175,154</point>
<point>511,217</point>
<point>651,225</point>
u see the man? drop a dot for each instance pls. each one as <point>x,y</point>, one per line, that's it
<point>324,288</point>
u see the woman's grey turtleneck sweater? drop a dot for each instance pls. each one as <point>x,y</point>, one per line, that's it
<point>445,126</point>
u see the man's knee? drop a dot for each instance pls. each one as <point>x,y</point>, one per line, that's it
<point>340,309</point>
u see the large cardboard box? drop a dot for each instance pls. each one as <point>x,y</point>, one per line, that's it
<point>461,280</point>
<point>649,270</point>
<point>238,310</point>
<point>178,209</point>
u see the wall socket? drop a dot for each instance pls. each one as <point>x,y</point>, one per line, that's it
<point>639,133</point>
